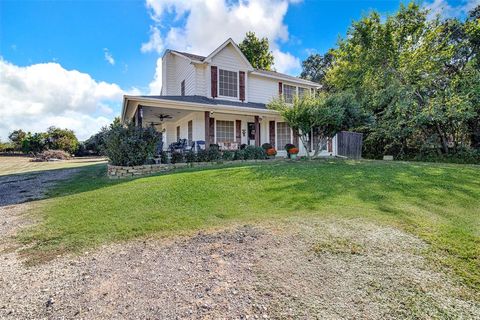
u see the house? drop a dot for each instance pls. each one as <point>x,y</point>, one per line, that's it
<point>218,99</point>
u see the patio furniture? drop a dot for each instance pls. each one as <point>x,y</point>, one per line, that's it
<point>200,145</point>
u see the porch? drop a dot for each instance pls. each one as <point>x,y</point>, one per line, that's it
<point>199,125</point>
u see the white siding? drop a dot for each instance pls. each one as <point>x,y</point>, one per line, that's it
<point>177,70</point>
<point>261,89</point>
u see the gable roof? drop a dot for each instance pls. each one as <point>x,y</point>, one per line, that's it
<point>237,49</point>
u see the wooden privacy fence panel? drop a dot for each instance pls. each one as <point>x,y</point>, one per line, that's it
<point>349,144</point>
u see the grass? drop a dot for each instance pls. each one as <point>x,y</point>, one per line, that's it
<point>16,165</point>
<point>437,202</point>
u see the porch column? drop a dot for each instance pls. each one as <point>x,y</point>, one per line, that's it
<point>257,132</point>
<point>139,116</point>
<point>207,129</point>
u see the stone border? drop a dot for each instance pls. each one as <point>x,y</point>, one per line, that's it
<point>120,172</point>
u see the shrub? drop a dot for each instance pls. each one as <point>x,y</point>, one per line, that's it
<point>61,139</point>
<point>243,146</point>
<point>214,146</point>
<point>228,155</point>
<point>239,155</point>
<point>267,146</point>
<point>260,153</point>
<point>214,153</point>
<point>48,155</point>
<point>190,156</point>
<point>249,152</point>
<point>202,156</point>
<point>130,145</point>
<point>163,157</point>
<point>177,157</point>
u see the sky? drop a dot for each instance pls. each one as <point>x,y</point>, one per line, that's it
<point>68,63</point>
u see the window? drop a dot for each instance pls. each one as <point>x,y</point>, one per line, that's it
<point>225,131</point>
<point>190,131</point>
<point>228,83</point>
<point>182,88</point>
<point>303,92</point>
<point>178,133</point>
<point>284,135</point>
<point>289,92</point>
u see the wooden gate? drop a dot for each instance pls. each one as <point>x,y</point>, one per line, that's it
<point>349,144</point>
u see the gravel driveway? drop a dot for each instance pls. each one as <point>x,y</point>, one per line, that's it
<point>300,268</point>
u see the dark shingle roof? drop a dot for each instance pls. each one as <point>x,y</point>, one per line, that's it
<point>209,101</point>
<point>190,56</point>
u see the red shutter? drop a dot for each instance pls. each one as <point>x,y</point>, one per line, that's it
<point>238,129</point>
<point>242,85</point>
<point>214,80</point>
<point>280,89</point>
<point>272,132</point>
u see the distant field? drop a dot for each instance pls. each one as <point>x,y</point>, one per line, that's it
<point>14,165</point>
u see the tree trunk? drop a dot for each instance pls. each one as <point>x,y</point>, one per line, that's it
<point>443,139</point>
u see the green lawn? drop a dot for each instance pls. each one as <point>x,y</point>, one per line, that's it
<point>438,202</point>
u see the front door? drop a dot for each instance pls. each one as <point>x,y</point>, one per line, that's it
<point>251,133</point>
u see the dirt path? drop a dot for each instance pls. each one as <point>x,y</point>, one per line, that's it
<point>320,269</point>
<point>296,269</point>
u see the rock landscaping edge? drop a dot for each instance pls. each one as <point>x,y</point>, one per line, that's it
<point>121,172</point>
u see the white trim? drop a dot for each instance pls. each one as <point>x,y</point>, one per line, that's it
<point>237,98</point>
<point>287,79</point>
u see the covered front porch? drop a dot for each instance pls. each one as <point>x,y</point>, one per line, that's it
<point>199,125</point>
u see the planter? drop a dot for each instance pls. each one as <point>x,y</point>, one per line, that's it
<point>293,156</point>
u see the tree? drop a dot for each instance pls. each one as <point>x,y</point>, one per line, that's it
<point>416,77</point>
<point>34,143</point>
<point>315,67</point>
<point>62,139</point>
<point>257,51</point>
<point>16,137</point>
<point>319,115</point>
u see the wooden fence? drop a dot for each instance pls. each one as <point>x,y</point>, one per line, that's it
<point>349,144</point>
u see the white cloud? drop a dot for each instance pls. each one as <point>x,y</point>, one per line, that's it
<point>200,26</point>
<point>108,56</point>
<point>445,10</point>
<point>155,43</point>
<point>156,85</point>
<point>41,95</point>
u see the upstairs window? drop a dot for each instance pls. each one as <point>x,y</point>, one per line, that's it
<point>182,88</point>
<point>302,92</point>
<point>289,92</point>
<point>228,83</point>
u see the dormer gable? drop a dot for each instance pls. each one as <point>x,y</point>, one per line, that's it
<point>229,51</point>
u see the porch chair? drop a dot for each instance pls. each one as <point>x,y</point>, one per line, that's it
<point>200,145</point>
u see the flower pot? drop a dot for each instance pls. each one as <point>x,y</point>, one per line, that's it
<point>293,156</point>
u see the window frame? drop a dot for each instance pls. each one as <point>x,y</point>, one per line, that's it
<point>294,92</point>
<point>216,131</point>
<point>238,84</point>
<point>281,147</point>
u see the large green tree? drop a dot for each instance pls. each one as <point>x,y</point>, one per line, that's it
<point>16,137</point>
<point>62,139</point>
<point>257,51</point>
<point>417,77</point>
<point>315,67</point>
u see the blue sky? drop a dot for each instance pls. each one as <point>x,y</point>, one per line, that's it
<point>67,49</point>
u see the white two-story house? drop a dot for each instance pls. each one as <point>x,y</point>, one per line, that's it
<point>217,99</point>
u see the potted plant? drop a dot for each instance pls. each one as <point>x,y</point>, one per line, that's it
<point>293,153</point>
<point>287,147</point>
<point>271,153</point>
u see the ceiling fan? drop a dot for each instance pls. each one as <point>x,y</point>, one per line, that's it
<point>164,116</point>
